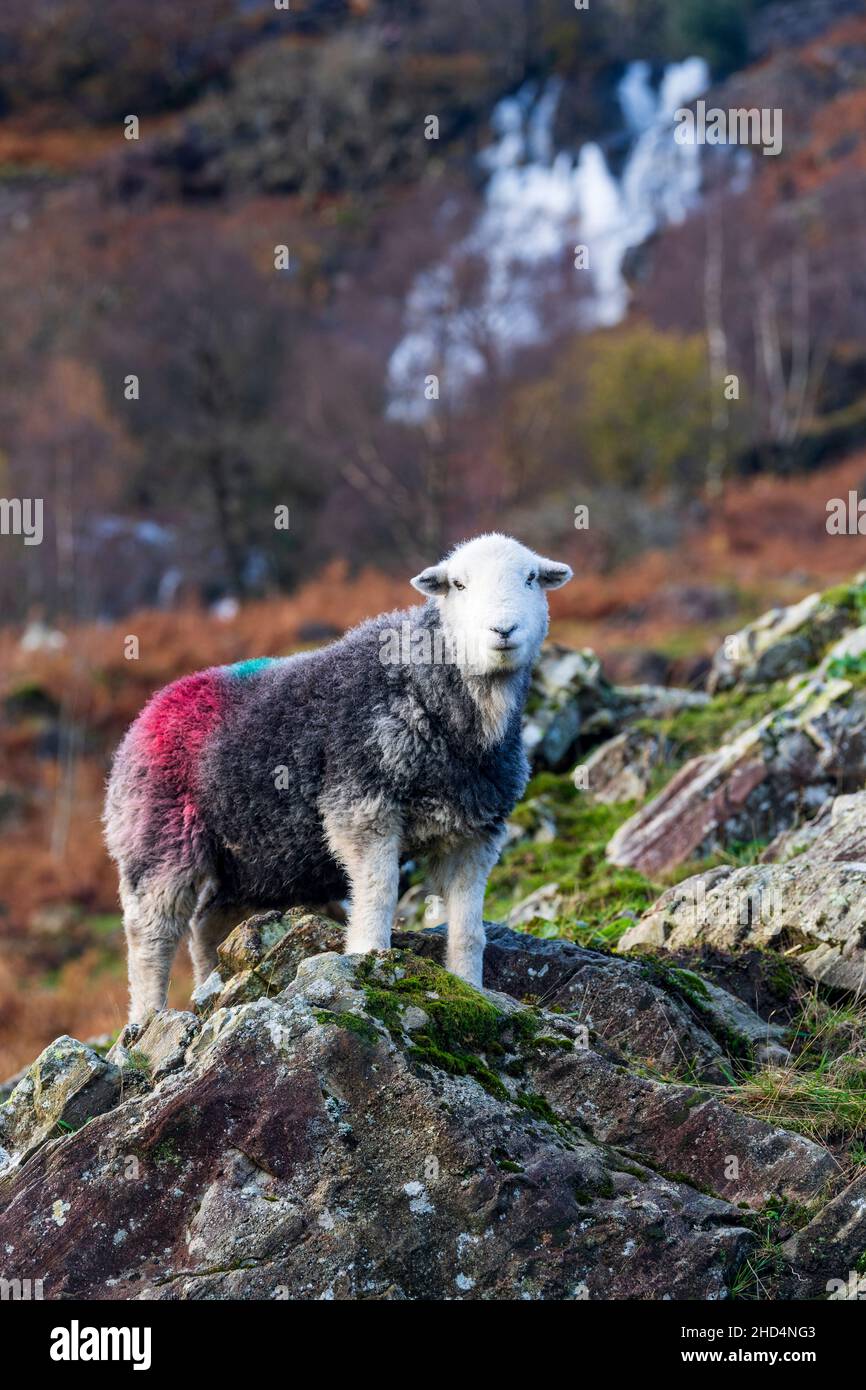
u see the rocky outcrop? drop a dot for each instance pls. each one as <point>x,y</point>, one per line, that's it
<point>809,903</point>
<point>622,768</point>
<point>67,1084</point>
<point>760,782</point>
<point>837,834</point>
<point>572,706</point>
<point>826,1255</point>
<point>375,1128</point>
<point>784,641</point>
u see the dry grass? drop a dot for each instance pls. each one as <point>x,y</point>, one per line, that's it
<point>822,1093</point>
<point>86,1000</point>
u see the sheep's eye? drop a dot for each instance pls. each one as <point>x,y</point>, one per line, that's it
<point>457,584</point>
<point>530,580</point>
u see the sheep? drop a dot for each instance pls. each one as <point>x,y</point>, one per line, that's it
<point>280,782</point>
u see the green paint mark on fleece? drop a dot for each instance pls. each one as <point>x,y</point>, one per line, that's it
<point>243,670</point>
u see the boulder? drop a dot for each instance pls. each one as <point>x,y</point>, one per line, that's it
<point>66,1086</point>
<point>787,640</point>
<point>621,769</point>
<point>837,834</point>
<point>626,1005</point>
<point>379,1129</point>
<point>313,1147</point>
<point>825,1256</point>
<point>815,913</point>
<point>569,699</point>
<point>758,784</point>
<point>572,705</point>
<point>686,1133</point>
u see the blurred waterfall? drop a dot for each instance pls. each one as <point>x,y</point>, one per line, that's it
<point>539,203</point>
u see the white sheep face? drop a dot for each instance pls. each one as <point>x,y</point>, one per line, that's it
<point>492,597</point>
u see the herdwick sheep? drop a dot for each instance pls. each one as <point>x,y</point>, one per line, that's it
<point>280,782</point>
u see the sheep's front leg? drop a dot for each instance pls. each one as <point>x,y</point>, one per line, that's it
<point>462,877</point>
<point>372,861</point>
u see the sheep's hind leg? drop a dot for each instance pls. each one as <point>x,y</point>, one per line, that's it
<point>154,919</point>
<point>208,927</point>
<point>461,877</point>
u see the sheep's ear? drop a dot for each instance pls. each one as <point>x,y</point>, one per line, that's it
<point>552,574</point>
<point>433,580</point>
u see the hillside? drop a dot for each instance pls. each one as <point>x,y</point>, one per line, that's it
<point>156,258</point>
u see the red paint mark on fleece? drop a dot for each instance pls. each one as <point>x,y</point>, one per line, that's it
<point>174,728</point>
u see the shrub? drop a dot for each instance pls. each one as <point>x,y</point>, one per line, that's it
<point>646,409</point>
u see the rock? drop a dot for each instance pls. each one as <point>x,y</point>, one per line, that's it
<point>267,949</point>
<point>8,1086</point>
<point>164,1041</point>
<point>824,1254</point>
<point>65,1087</point>
<point>572,705</point>
<point>814,912</point>
<point>786,640</point>
<point>378,1129</point>
<point>621,769</point>
<point>730,1015</point>
<point>758,783</point>
<point>315,1152</point>
<point>207,993</point>
<point>569,698</point>
<point>654,1017</point>
<point>545,902</point>
<point>686,1133</point>
<point>246,946</point>
<point>658,701</point>
<point>836,834</point>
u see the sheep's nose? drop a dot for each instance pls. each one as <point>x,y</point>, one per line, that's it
<point>504,632</point>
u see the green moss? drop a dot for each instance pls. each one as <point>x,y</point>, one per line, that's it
<point>849,668</point>
<point>781,977</point>
<point>840,596</point>
<point>355,1023</point>
<point>640,1173</point>
<point>465,1034</point>
<point>458,1064</point>
<point>544,1041</point>
<point>690,983</point>
<point>848,596</point>
<point>537,1106</point>
<point>503,1160</point>
<point>167,1152</point>
<point>694,731</point>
